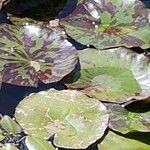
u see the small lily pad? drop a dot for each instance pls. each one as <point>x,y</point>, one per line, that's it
<point>117,75</point>
<point>35,143</point>
<point>109,23</point>
<point>8,147</point>
<point>76,120</point>
<point>10,125</point>
<point>124,121</point>
<point>2,137</point>
<point>117,142</point>
<point>32,53</point>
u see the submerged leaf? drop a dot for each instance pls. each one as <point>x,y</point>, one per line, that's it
<point>35,143</point>
<point>33,53</point>
<point>117,142</point>
<point>116,75</point>
<point>123,121</point>
<point>10,125</point>
<point>109,23</point>
<point>75,119</point>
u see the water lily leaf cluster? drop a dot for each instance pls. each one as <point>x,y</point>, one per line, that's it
<point>9,132</point>
<point>31,53</point>
<point>102,85</point>
<point>11,138</point>
<point>77,121</point>
<point>109,23</point>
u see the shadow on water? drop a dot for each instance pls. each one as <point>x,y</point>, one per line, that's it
<point>35,9</point>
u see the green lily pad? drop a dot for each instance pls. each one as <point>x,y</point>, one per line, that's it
<point>35,143</point>
<point>10,125</point>
<point>75,119</point>
<point>8,147</point>
<point>32,53</point>
<point>109,23</point>
<point>2,137</point>
<point>124,121</point>
<point>117,75</point>
<point>116,142</point>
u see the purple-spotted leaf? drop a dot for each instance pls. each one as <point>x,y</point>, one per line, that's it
<point>110,23</point>
<point>116,75</point>
<point>75,120</point>
<point>31,53</point>
<point>117,142</point>
<point>124,121</point>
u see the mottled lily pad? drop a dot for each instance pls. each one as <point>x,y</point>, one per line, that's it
<point>116,142</point>
<point>33,53</point>
<point>124,121</point>
<point>35,143</point>
<point>10,125</point>
<point>110,23</point>
<point>117,75</point>
<point>75,119</point>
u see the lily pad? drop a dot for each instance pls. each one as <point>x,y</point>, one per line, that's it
<point>75,119</point>
<point>117,142</point>
<point>117,75</point>
<point>31,53</point>
<point>124,121</point>
<point>110,23</point>
<point>35,143</point>
<point>10,125</point>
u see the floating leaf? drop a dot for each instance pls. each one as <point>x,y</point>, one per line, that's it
<point>123,121</point>
<point>10,125</point>
<point>116,142</point>
<point>8,147</point>
<point>108,77</point>
<point>33,53</point>
<point>110,23</point>
<point>75,119</point>
<point>35,143</point>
